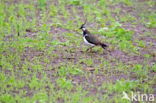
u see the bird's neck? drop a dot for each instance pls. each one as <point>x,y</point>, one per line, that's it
<point>85,32</point>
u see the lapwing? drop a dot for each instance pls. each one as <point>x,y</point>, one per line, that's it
<point>91,39</point>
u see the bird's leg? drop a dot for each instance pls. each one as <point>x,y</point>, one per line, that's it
<point>90,48</point>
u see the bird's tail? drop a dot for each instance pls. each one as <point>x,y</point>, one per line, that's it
<point>104,46</point>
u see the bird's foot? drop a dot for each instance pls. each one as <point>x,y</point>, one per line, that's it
<point>88,49</point>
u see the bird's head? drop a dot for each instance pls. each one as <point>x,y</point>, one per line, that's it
<point>83,26</point>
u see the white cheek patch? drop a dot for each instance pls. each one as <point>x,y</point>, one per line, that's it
<point>83,29</point>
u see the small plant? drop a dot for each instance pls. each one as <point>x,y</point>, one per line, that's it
<point>140,70</point>
<point>69,70</point>
<point>7,98</point>
<point>40,97</point>
<point>154,67</point>
<point>75,2</point>
<point>123,85</point>
<point>42,3</point>
<point>64,83</point>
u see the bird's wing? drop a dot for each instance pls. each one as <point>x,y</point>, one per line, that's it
<point>92,39</point>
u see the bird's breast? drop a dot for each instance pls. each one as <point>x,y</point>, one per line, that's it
<point>87,41</point>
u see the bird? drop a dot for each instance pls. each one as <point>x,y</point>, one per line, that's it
<point>90,39</point>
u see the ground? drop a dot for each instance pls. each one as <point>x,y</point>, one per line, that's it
<point>43,58</point>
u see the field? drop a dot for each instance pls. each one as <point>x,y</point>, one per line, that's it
<point>43,58</point>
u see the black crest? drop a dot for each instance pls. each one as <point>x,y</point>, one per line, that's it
<point>83,25</point>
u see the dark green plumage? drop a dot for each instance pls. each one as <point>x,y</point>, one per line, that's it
<point>91,38</point>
